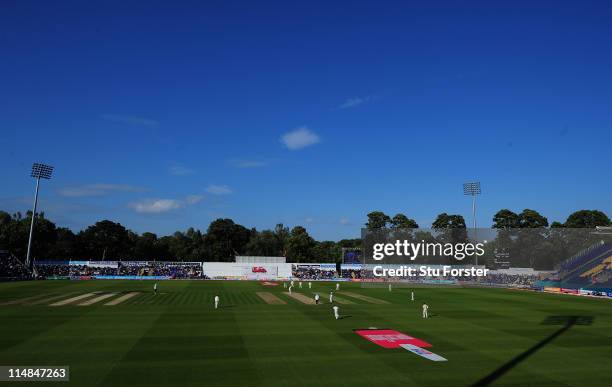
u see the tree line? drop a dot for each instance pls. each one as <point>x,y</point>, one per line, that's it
<point>107,240</point>
<point>522,239</point>
<point>503,219</point>
<point>223,239</point>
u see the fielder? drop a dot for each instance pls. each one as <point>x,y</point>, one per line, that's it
<point>285,285</point>
<point>337,286</point>
<point>309,285</point>
<point>300,283</point>
<point>331,297</point>
<point>412,295</point>
<point>291,282</point>
<point>425,308</point>
<point>216,302</point>
<point>155,288</point>
<point>317,298</point>
<point>290,289</point>
<point>336,314</point>
<point>389,287</point>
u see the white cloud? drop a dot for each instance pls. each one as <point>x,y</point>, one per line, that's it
<point>249,163</point>
<point>354,102</point>
<point>158,206</point>
<point>178,169</point>
<point>193,199</point>
<point>98,189</point>
<point>300,138</point>
<point>218,189</point>
<point>344,221</point>
<point>309,220</point>
<point>130,120</point>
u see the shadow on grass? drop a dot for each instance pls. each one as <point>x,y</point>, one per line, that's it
<point>566,323</point>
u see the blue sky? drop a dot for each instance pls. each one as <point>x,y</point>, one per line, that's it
<point>165,115</point>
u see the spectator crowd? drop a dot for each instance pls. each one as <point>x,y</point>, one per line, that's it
<point>312,273</point>
<point>315,273</point>
<point>175,270</point>
<point>12,268</point>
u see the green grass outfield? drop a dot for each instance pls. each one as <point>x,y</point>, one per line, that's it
<point>176,338</point>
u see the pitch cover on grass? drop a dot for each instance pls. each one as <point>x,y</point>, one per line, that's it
<point>388,338</point>
<point>422,352</point>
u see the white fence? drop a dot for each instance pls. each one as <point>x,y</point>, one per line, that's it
<point>259,259</point>
<point>253,271</point>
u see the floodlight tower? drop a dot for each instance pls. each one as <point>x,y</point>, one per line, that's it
<point>472,189</point>
<point>39,171</point>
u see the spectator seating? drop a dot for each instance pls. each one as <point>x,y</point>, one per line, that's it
<point>581,270</point>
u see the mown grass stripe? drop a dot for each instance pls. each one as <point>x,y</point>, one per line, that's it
<point>301,298</point>
<point>362,297</point>
<point>270,298</point>
<point>243,298</point>
<point>23,300</point>
<point>96,299</point>
<point>48,299</point>
<point>338,300</point>
<point>73,299</point>
<point>122,298</point>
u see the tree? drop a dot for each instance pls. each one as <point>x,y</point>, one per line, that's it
<point>451,228</point>
<point>587,219</point>
<point>300,245</point>
<point>178,245</point>
<point>226,239</point>
<point>445,220</point>
<point>349,243</point>
<point>5,228</point>
<point>14,235</point>
<point>263,243</point>
<point>377,220</point>
<point>106,240</point>
<point>532,219</point>
<point>505,219</point>
<point>327,251</point>
<point>5,218</point>
<point>401,221</point>
<point>65,246</point>
<point>146,247</point>
<point>282,236</point>
<point>196,249</point>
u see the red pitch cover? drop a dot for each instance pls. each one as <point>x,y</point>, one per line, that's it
<point>388,338</point>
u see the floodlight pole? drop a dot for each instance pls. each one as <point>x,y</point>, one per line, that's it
<point>32,222</point>
<point>474,210</point>
<point>473,189</point>
<point>39,171</point>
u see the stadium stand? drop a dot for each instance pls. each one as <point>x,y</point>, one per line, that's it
<point>515,277</point>
<point>173,270</point>
<point>603,279</point>
<point>312,273</point>
<point>52,270</point>
<point>11,268</point>
<point>585,268</point>
<point>606,264</point>
<point>568,266</point>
